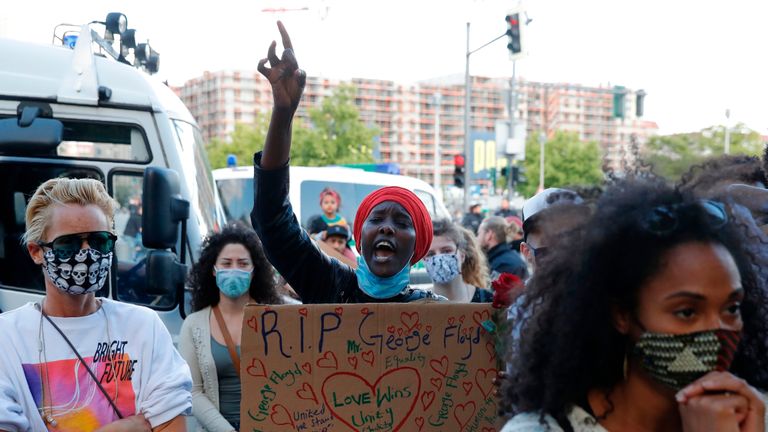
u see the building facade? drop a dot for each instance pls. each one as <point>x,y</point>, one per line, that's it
<point>406,114</point>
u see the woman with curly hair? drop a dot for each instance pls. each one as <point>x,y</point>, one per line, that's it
<point>231,272</point>
<point>456,264</point>
<point>651,317</point>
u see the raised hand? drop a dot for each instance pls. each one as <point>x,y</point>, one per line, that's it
<point>284,75</point>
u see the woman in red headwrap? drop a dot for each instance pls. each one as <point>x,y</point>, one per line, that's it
<point>392,228</point>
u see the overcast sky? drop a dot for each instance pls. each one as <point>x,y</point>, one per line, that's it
<point>694,58</point>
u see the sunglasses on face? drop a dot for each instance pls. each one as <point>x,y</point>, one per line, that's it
<point>665,219</point>
<point>64,247</point>
<point>538,252</point>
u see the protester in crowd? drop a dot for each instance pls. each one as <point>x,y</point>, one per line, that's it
<point>493,236</point>
<point>649,317</point>
<point>545,216</point>
<point>337,236</point>
<point>504,210</point>
<point>231,272</point>
<point>473,219</point>
<point>516,232</point>
<point>73,361</point>
<point>392,227</point>
<point>330,203</point>
<point>456,265</point>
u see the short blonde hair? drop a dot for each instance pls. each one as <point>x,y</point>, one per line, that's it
<point>64,191</point>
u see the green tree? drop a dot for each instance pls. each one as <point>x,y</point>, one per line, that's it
<point>673,155</point>
<point>568,161</point>
<point>335,135</point>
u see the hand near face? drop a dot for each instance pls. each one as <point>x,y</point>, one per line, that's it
<point>720,401</point>
<point>284,75</point>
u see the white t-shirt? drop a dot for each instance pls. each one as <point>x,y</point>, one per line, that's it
<point>126,346</point>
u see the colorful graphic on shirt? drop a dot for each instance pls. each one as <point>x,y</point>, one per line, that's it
<point>73,399</point>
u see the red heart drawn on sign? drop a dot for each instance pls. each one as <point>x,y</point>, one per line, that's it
<point>400,332</point>
<point>481,317</point>
<point>440,366</point>
<point>463,414</point>
<point>467,387</point>
<point>462,318</point>
<point>253,323</point>
<point>344,392</point>
<point>491,351</point>
<point>409,320</point>
<point>280,416</point>
<point>451,320</point>
<point>307,366</point>
<point>420,422</point>
<point>339,311</point>
<point>391,329</point>
<point>429,328</point>
<point>427,398</point>
<point>303,312</point>
<point>364,311</point>
<point>437,382</point>
<point>306,392</point>
<point>328,361</point>
<point>352,361</point>
<point>484,380</point>
<point>369,357</point>
<point>256,369</point>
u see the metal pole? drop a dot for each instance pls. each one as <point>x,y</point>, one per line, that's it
<point>467,108</point>
<point>438,186</point>
<point>727,145</point>
<point>512,123</point>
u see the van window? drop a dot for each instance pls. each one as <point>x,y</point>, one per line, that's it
<point>20,180</point>
<point>351,195</point>
<point>236,198</point>
<point>102,141</point>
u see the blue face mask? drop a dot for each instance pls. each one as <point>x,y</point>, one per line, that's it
<point>233,282</point>
<point>381,287</point>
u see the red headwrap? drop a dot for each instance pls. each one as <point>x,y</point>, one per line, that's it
<point>422,222</point>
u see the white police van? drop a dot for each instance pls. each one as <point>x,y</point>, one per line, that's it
<point>235,192</point>
<point>75,112</point>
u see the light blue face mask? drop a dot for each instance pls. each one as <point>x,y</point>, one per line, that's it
<point>233,282</point>
<point>381,287</point>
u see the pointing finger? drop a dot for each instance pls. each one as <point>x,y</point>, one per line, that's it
<point>284,34</point>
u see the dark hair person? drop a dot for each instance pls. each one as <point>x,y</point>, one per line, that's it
<point>649,317</point>
<point>231,272</point>
<point>392,227</point>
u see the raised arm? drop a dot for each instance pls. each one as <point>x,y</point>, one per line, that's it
<point>287,82</point>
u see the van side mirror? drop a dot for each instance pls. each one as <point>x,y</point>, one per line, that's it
<point>165,275</point>
<point>30,133</point>
<point>163,209</point>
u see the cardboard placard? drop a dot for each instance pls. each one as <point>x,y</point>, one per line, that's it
<point>368,368</point>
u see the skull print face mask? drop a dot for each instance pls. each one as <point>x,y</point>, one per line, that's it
<point>82,273</point>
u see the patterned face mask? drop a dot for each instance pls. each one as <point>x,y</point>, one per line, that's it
<point>82,273</point>
<point>680,359</point>
<point>442,268</point>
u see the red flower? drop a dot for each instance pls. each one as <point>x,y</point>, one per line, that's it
<point>505,288</point>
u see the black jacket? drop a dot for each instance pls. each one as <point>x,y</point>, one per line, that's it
<point>502,259</point>
<point>314,276</point>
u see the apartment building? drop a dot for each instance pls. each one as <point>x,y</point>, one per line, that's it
<point>406,113</point>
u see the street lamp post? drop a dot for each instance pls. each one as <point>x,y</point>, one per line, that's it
<point>727,144</point>
<point>467,103</point>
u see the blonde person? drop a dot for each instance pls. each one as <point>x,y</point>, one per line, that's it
<point>75,362</point>
<point>231,272</point>
<point>456,264</point>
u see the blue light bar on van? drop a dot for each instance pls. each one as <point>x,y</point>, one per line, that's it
<point>231,161</point>
<point>69,41</point>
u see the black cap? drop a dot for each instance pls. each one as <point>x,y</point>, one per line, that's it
<point>337,230</point>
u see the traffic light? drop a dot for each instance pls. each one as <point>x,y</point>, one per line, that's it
<point>513,33</point>
<point>639,99</point>
<point>518,175</point>
<point>458,171</point>
<point>618,101</point>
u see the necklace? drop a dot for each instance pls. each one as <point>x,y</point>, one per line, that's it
<point>48,417</point>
